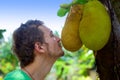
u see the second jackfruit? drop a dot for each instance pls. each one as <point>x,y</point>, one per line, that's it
<point>95,26</point>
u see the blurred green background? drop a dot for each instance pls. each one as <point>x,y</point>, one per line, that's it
<point>78,65</point>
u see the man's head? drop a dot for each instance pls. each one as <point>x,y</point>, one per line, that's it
<point>33,37</point>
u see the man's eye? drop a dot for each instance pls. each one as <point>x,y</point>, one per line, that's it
<point>52,35</point>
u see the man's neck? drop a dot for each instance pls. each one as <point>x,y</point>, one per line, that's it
<point>40,67</point>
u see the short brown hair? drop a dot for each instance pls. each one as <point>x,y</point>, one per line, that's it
<point>24,39</point>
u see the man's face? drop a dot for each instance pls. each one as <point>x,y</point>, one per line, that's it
<point>53,45</point>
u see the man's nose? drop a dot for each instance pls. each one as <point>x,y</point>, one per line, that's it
<point>57,39</point>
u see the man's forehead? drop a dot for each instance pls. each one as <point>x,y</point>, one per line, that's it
<point>45,29</point>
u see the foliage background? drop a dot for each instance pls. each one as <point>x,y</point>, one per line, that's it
<point>78,65</point>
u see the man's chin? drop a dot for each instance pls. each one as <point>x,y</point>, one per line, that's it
<point>62,54</point>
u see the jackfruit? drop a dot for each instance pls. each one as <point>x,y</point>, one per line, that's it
<point>95,25</point>
<point>70,32</point>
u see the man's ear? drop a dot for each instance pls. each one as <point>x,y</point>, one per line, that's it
<point>39,47</point>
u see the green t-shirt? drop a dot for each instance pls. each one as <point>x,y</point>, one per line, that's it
<point>17,75</point>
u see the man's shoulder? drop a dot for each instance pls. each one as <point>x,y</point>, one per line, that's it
<point>17,75</point>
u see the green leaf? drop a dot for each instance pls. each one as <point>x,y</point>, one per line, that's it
<point>65,6</point>
<point>62,12</point>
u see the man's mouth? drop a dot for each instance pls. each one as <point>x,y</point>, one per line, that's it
<point>59,44</point>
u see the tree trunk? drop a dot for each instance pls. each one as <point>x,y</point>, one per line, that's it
<point>108,58</point>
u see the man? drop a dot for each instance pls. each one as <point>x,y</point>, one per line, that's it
<point>37,48</point>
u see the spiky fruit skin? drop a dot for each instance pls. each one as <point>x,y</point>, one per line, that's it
<point>95,26</point>
<point>70,32</point>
